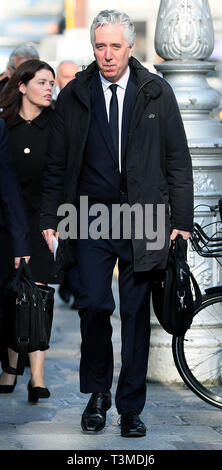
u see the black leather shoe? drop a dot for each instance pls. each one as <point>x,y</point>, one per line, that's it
<point>8,388</point>
<point>94,415</point>
<point>131,425</point>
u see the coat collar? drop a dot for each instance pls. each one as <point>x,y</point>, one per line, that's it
<point>40,121</point>
<point>146,81</point>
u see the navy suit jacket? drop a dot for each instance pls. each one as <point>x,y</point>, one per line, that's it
<point>100,178</point>
<point>12,213</point>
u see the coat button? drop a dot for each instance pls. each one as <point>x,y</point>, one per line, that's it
<point>27,150</point>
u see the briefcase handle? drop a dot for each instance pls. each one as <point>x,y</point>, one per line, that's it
<point>23,270</point>
<point>26,269</point>
<point>179,247</point>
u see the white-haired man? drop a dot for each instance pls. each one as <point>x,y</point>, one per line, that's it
<point>117,139</point>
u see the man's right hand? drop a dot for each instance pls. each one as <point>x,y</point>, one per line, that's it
<point>48,236</point>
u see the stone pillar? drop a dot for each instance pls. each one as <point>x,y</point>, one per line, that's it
<point>184,38</point>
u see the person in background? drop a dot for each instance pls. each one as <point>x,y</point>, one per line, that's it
<point>66,71</point>
<point>19,55</point>
<point>26,104</point>
<point>12,218</point>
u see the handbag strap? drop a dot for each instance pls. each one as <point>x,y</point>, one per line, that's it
<point>22,278</point>
<point>179,249</point>
<point>198,295</point>
<point>23,270</point>
<point>21,362</point>
<point>24,338</point>
<point>26,269</point>
<point>18,275</point>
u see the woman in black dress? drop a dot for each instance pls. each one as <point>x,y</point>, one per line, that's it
<point>26,103</point>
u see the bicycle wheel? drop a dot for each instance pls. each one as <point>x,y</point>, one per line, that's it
<point>198,354</point>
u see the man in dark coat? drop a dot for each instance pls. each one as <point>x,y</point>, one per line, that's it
<point>117,139</point>
<point>12,216</point>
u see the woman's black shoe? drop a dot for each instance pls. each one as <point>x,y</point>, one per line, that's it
<point>8,388</point>
<point>34,393</point>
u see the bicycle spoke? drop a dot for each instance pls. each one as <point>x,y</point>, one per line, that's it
<point>198,356</point>
<point>210,356</point>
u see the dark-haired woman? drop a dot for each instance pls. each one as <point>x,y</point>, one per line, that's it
<point>26,104</point>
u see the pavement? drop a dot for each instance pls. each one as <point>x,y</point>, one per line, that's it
<point>176,419</point>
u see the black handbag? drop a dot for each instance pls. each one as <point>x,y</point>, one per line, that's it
<point>173,301</point>
<point>30,313</point>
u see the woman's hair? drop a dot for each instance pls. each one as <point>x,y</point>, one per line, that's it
<point>11,97</point>
<point>107,17</point>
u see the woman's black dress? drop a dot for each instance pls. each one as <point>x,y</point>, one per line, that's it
<point>28,141</point>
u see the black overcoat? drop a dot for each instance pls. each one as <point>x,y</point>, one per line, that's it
<point>158,162</point>
<point>28,144</point>
<point>12,213</point>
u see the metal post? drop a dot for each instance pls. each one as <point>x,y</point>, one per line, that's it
<point>184,38</point>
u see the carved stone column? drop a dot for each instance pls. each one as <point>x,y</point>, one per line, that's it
<point>185,39</point>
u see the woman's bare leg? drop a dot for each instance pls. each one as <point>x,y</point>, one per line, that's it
<point>37,360</point>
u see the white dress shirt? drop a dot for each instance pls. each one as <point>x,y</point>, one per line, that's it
<point>122,84</point>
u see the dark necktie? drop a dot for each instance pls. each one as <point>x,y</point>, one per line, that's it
<point>114,118</point>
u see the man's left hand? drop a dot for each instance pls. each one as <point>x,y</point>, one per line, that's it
<point>175,232</point>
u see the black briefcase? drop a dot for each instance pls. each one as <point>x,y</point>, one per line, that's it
<point>174,301</point>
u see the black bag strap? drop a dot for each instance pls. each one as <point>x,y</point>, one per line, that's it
<point>22,271</point>
<point>26,270</point>
<point>179,250</point>
<point>178,247</point>
<point>21,363</point>
<point>23,340</point>
<point>198,295</point>
<point>8,369</point>
<point>18,276</point>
